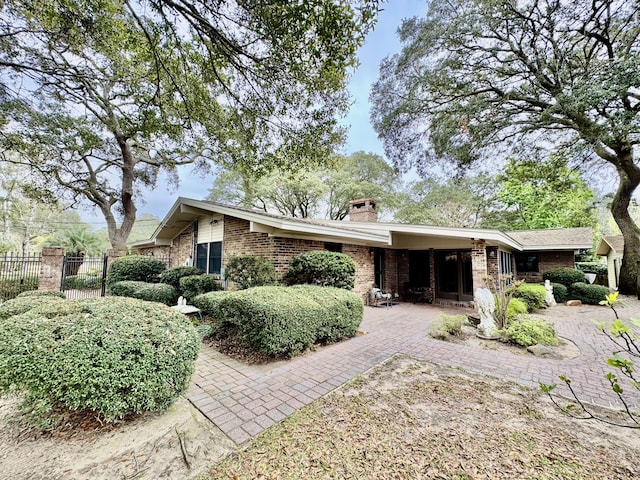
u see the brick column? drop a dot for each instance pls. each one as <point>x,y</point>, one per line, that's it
<point>51,268</point>
<point>478,263</point>
<point>113,254</point>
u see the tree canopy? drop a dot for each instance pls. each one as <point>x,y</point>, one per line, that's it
<point>99,96</point>
<point>478,79</point>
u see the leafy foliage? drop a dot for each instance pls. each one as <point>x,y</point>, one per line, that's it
<point>11,287</point>
<point>172,276</point>
<point>532,294</point>
<point>589,294</point>
<point>248,271</point>
<point>157,292</point>
<point>19,305</point>
<point>134,267</point>
<point>447,325</point>
<point>515,309</point>
<point>126,288</point>
<point>43,293</point>
<point>560,292</point>
<point>322,268</point>
<point>530,331</point>
<point>592,267</point>
<point>195,285</point>
<point>112,356</point>
<point>566,276</point>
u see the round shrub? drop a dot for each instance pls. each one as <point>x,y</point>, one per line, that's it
<point>566,276</point>
<point>588,294</point>
<point>560,292</point>
<point>112,356</point>
<point>531,331</point>
<point>195,285</point>
<point>43,293</point>
<point>327,269</point>
<point>21,304</point>
<point>139,268</point>
<point>126,288</point>
<point>157,292</point>
<point>209,303</point>
<point>532,294</point>
<point>172,276</point>
<point>515,308</point>
<point>250,271</point>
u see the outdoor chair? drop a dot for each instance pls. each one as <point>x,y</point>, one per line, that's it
<point>381,297</point>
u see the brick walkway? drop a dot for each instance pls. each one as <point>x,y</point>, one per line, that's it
<point>243,400</point>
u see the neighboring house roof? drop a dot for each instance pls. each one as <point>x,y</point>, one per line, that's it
<point>381,234</point>
<point>554,238</point>
<point>609,243</point>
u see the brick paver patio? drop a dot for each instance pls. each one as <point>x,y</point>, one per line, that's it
<point>243,400</point>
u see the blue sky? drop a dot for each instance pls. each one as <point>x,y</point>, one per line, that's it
<point>381,42</point>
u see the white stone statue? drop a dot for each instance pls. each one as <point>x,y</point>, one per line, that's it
<point>549,299</point>
<point>486,305</point>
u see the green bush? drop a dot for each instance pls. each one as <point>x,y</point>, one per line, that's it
<point>112,356</point>
<point>447,325</point>
<point>126,288</point>
<point>19,305</point>
<point>250,271</point>
<point>172,276</point>
<point>566,276</point>
<point>285,321</point>
<point>532,294</point>
<point>589,294</point>
<point>157,292</point>
<point>82,282</point>
<point>195,285</point>
<point>210,303</point>
<point>560,292</point>
<point>515,308</point>
<point>12,287</point>
<point>531,331</point>
<point>593,267</point>
<point>139,268</point>
<point>327,269</point>
<point>42,293</point>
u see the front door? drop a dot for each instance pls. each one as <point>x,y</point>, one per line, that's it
<point>454,279</point>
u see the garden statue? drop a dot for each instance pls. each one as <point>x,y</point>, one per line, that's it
<point>486,306</point>
<point>549,299</point>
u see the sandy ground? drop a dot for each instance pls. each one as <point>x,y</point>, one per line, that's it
<point>148,447</point>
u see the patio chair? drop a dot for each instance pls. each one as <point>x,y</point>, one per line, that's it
<point>381,297</point>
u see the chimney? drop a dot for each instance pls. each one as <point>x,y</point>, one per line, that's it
<point>363,210</point>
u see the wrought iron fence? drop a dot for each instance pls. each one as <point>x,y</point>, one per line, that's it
<point>83,277</point>
<point>18,273</point>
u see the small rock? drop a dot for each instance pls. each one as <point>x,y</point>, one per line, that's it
<point>574,303</point>
<point>541,350</point>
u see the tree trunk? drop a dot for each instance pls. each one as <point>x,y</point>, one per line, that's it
<point>629,181</point>
<point>118,236</point>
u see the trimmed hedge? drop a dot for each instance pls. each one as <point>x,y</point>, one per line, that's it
<point>249,271</point>
<point>588,294</point>
<point>42,293</point>
<point>515,308</point>
<point>566,276</point>
<point>172,276</point>
<point>195,285</point>
<point>531,331</point>
<point>157,292</point>
<point>532,294</point>
<point>112,356</point>
<point>126,288</point>
<point>19,305</point>
<point>139,268</point>
<point>276,320</point>
<point>560,292</point>
<point>327,269</point>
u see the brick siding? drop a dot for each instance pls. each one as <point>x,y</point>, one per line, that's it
<point>547,261</point>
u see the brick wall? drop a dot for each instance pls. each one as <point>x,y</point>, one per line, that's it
<point>548,261</point>
<point>478,263</point>
<point>493,266</point>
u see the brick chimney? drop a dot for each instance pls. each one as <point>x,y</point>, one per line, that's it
<point>363,210</point>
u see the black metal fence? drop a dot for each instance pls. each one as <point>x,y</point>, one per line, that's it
<point>83,277</point>
<point>18,273</point>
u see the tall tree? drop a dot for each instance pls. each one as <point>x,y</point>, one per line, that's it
<point>101,95</point>
<point>477,78</point>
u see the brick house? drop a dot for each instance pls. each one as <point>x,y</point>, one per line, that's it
<point>418,262</point>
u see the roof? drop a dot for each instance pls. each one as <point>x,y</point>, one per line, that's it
<point>609,243</point>
<point>395,235</point>
<point>554,238</point>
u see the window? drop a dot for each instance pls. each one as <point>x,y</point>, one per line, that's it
<point>505,263</point>
<point>209,257</point>
<point>333,247</point>
<point>527,262</point>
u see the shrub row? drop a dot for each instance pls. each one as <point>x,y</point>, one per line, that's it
<point>195,285</point>
<point>588,294</point>
<point>112,356</point>
<point>277,320</point>
<point>135,267</point>
<point>566,276</point>
<point>152,292</point>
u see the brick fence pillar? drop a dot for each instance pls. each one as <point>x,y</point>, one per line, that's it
<point>51,268</point>
<point>113,254</point>
<point>478,263</point>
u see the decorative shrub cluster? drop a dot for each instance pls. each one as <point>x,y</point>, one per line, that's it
<point>43,293</point>
<point>560,292</point>
<point>530,331</point>
<point>250,271</point>
<point>113,356</point>
<point>172,276</point>
<point>566,276</point>
<point>589,294</point>
<point>125,288</point>
<point>515,308</point>
<point>195,285</point>
<point>135,267</point>
<point>328,269</point>
<point>151,292</point>
<point>277,320</point>
<point>23,304</point>
<point>532,294</point>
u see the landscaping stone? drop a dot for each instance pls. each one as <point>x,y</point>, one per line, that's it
<point>541,350</point>
<point>574,303</point>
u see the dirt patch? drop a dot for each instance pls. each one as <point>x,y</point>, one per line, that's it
<point>414,419</point>
<point>149,446</point>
